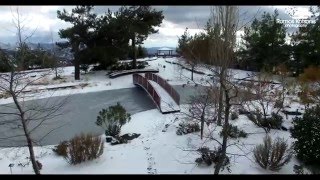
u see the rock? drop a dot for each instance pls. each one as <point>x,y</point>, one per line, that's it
<point>284,128</point>
<point>129,136</point>
<point>179,132</point>
<point>115,142</point>
<point>199,160</point>
<point>166,126</point>
<point>242,111</point>
<point>294,113</point>
<point>109,139</point>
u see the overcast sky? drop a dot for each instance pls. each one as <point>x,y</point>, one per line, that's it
<point>43,20</point>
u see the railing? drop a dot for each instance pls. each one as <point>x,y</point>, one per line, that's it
<point>143,82</point>
<point>165,85</point>
<point>132,71</point>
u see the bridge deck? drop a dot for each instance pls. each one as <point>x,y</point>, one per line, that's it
<point>167,104</point>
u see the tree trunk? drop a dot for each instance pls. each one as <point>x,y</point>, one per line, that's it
<point>220,107</point>
<point>225,135</point>
<point>192,69</point>
<point>202,125</point>
<point>25,130</point>
<point>134,60</point>
<point>76,62</point>
<point>30,147</point>
<point>56,71</point>
<point>76,70</point>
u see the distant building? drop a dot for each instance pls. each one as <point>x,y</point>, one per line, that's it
<point>164,52</point>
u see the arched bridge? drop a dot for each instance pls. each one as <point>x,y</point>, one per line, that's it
<point>162,93</point>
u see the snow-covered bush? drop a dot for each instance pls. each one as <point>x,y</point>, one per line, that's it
<point>84,67</point>
<point>273,122</point>
<point>234,132</point>
<point>83,148</point>
<point>210,156</point>
<point>187,127</point>
<point>5,94</point>
<point>234,116</point>
<point>307,132</point>
<point>272,155</point>
<point>112,119</point>
<point>61,149</point>
<point>39,164</point>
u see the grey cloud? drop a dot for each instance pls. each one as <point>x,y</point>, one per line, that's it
<point>197,16</point>
<point>182,16</point>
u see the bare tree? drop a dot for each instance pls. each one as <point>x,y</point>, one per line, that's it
<point>222,28</point>
<point>216,48</point>
<point>269,97</point>
<point>202,107</point>
<point>53,54</point>
<point>24,117</point>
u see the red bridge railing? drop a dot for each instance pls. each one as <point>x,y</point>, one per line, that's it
<point>165,85</point>
<point>143,82</point>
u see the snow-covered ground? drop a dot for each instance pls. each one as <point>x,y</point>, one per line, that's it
<point>99,80</point>
<point>90,82</point>
<point>158,150</point>
<point>154,151</point>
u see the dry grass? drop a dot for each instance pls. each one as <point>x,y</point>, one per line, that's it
<point>4,95</point>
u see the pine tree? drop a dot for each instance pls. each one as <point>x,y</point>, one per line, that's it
<point>139,21</point>
<point>307,132</point>
<point>306,45</point>
<point>82,20</point>
<point>263,45</point>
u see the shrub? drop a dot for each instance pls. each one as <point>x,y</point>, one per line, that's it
<point>39,164</point>
<point>84,67</point>
<point>4,94</point>
<point>61,149</point>
<point>98,68</point>
<point>272,155</point>
<point>57,78</point>
<point>210,156</point>
<point>234,116</point>
<point>83,148</point>
<point>243,111</point>
<point>273,122</point>
<point>278,104</point>
<point>186,128</point>
<point>306,131</point>
<point>112,119</point>
<point>234,132</point>
<point>112,130</point>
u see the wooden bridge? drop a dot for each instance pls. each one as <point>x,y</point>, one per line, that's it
<point>162,93</point>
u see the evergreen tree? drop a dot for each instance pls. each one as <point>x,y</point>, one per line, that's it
<point>139,21</point>
<point>306,45</point>
<point>263,45</point>
<point>306,131</point>
<point>83,21</point>
<point>141,52</point>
